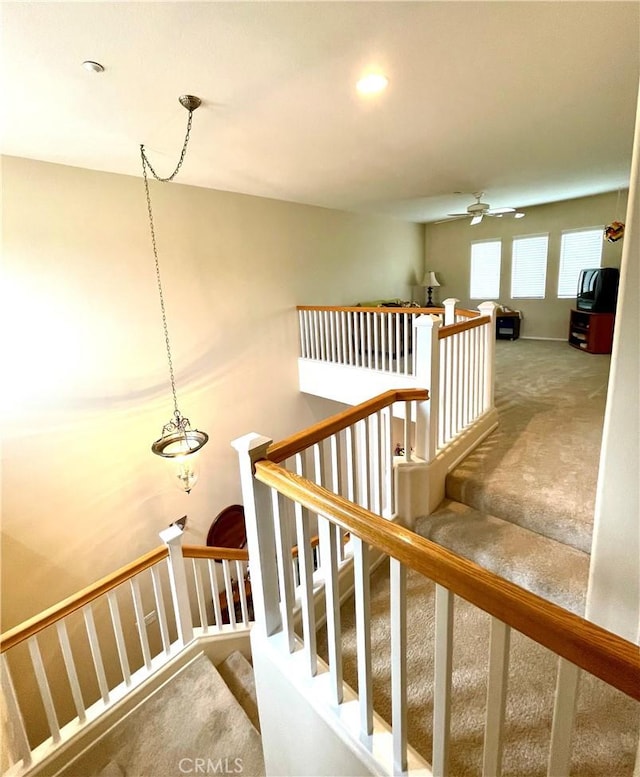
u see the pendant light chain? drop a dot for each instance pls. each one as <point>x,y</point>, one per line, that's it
<point>146,164</point>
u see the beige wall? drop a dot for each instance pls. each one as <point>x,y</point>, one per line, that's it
<point>85,387</point>
<point>448,248</point>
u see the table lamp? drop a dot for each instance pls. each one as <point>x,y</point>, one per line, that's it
<point>431,282</point>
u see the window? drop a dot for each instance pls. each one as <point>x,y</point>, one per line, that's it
<point>485,269</point>
<point>580,249</point>
<point>529,266</point>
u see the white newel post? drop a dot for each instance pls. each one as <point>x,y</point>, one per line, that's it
<point>450,310</point>
<point>172,537</point>
<point>489,309</point>
<point>261,542</point>
<point>428,376</point>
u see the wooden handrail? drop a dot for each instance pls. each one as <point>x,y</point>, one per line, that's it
<point>315,541</point>
<point>217,554</point>
<point>592,648</point>
<point>462,326</point>
<point>300,441</point>
<point>380,309</point>
<point>78,600</point>
<point>467,313</point>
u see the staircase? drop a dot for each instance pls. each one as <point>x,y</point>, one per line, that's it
<point>521,504</point>
<point>202,720</point>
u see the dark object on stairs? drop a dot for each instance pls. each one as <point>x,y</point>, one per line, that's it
<point>228,530</point>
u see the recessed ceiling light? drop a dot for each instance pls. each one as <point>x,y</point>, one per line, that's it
<point>372,83</point>
<point>93,67</point>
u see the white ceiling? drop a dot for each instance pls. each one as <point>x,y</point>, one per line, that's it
<point>530,102</point>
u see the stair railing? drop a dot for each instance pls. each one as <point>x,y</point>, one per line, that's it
<point>447,350</point>
<point>110,637</point>
<point>275,498</point>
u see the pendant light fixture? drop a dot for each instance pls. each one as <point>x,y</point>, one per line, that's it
<point>179,443</point>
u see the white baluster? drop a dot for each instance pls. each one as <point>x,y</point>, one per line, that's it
<point>285,568</point>
<point>96,654</point>
<point>380,463</point>
<point>74,683</point>
<point>351,463</point>
<point>228,592</point>
<point>384,319</point>
<point>373,436</point>
<point>391,317</point>
<point>449,306</point>
<point>215,591</point>
<point>377,321</point>
<point>346,358</point>
<point>244,604</point>
<point>301,329</point>
<point>305,561</point>
<point>398,608</point>
<point>564,709</point>
<point>160,609</point>
<point>351,337</point>
<point>43,686</point>
<point>362,584</point>
<point>316,335</point>
<point>496,698</point>
<point>119,635</point>
<point>390,504</point>
<point>449,389</point>
<point>405,342</point>
<point>407,431</point>
<point>328,554</point>
<point>172,537</point>
<point>141,625</point>
<point>489,309</point>
<point>202,608</point>
<point>398,325</point>
<point>428,376</point>
<point>364,463</point>
<point>442,681</point>
<point>442,393</point>
<point>369,341</point>
<point>465,378</point>
<point>17,743</point>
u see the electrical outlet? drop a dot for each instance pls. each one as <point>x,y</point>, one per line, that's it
<point>150,617</point>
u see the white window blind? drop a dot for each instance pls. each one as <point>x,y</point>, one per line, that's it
<point>529,266</point>
<point>580,249</point>
<point>485,269</point>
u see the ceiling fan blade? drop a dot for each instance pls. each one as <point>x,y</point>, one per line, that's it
<point>499,211</point>
<point>477,219</point>
<point>458,215</point>
<point>455,217</point>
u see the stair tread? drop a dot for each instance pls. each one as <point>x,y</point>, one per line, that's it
<point>193,715</point>
<point>551,569</point>
<point>237,673</point>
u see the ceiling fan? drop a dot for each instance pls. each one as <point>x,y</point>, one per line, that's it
<point>478,210</point>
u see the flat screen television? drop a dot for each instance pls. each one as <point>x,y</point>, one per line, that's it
<point>598,290</point>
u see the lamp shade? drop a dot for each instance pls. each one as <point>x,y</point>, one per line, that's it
<point>430,279</point>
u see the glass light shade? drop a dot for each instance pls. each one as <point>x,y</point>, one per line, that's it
<point>186,470</point>
<point>181,449</point>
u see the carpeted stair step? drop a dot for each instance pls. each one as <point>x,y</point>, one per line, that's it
<point>192,716</point>
<point>237,673</point>
<point>551,569</point>
<point>539,468</point>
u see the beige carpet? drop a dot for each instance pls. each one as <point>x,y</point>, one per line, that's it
<point>193,716</point>
<point>607,721</point>
<point>539,469</point>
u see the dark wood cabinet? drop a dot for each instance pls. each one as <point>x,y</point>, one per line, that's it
<point>591,332</point>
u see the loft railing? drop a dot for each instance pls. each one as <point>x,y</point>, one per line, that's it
<point>103,643</point>
<point>351,353</point>
<point>280,502</point>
